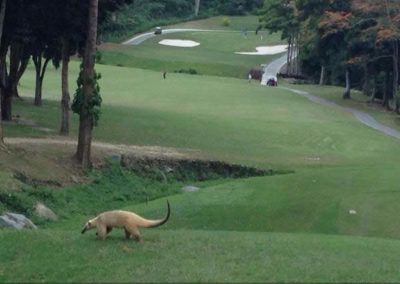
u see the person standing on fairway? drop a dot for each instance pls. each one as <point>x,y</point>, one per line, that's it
<point>250,77</point>
<point>164,73</point>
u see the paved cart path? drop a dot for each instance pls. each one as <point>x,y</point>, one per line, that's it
<point>275,66</point>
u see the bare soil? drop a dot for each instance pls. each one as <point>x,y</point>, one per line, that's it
<point>51,160</point>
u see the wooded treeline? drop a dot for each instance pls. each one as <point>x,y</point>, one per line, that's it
<point>141,15</point>
<point>50,32</point>
<point>350,42</point>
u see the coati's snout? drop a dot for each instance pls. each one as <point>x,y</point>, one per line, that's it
<point>87,226</point>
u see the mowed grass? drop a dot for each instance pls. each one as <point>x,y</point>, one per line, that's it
<point>227,118</point>
<point>358,101</point>
<point>214,56</point>
<point>280,228</point>
<point>196,256</point>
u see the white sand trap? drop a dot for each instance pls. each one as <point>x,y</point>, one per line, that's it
<point>267,50</point>
<point>179,42</point>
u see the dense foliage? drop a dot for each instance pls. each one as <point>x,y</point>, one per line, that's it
<point>356,42</point>
<point>141,15</point>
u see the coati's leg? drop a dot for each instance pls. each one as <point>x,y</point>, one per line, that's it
<point>102,231</point>
<point>127,234</point>
<point>109,229</point>
<point>133,230</point>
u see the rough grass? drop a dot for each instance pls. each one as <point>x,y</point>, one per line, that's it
<point>214,56</point>
<point>196,256</point>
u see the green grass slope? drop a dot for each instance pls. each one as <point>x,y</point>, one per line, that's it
<point>279,228</point>
<point>214,56</point>
<point>357,101</point>
<point>196,256</point>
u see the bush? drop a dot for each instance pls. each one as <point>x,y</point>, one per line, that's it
<point>187,71</point>
<point>225,22</point>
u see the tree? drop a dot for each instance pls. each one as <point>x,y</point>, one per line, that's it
<point>88,77</point>
<point>2,15</point>
<point>70,19</point>
<point>335,27</point>
<point>280,15</point>
<point>381,22</point>
<point>16,31</point>
<point>196,7</point>
<point>71,15</point>
<point>392,33</point>
<point>65,97</point>
<point>44,43</point>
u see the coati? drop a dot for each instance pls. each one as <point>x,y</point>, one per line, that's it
<point>106,221</point>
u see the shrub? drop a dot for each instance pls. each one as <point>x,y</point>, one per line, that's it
<point>225,22</point>
<point>187,71</point>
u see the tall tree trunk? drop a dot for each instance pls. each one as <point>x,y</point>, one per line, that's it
<point>298,65</point>
<point>386,91</point>
<point>85,118</point>
<point>196,7</point>
<point>373,95</point>
<point>296,56</point>
<point>4,103</point>
<point>21,70</point>
<point>38,90</point>
<point>65,98</point>
<point>40,71</point>
<point>2,15</point>
<point>16,55</point>
<point>322,76</point>
<point>346,94</point>
<point>291,55</point>
<point>37,59</point>
<point>395,75</point>
<point>299,69</point>
<point>288,63</point>
<point>366,87</point>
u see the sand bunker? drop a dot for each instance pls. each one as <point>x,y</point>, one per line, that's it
<point>179,42</point>
<point>267,50</point>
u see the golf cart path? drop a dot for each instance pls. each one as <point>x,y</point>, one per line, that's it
<point>274,68</point>
<point>142,37</point>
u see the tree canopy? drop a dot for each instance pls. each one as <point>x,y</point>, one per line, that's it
<point>353,41</point>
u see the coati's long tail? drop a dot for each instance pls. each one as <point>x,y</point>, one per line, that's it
<point>156,223</point>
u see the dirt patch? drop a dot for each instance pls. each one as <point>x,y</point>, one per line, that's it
<point>102,148</point>
<point>35,182</point>
<point>50,161</point>
<point>17,120</point>
<point>109,46</point>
